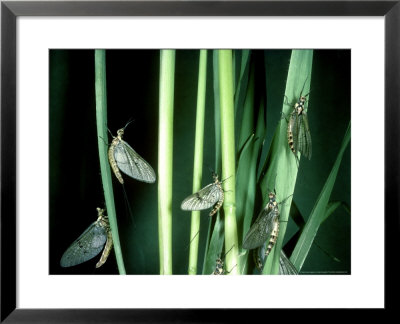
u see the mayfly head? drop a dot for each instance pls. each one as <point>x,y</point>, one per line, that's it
<point>101,218</point>
<point>272,200</point>
<point>120,133</point>
<point>215,177</point>
<point>272,196</point>
<point>299,106</point>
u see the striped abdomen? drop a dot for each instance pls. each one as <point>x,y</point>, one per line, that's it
<point>274,237</point>
<point>113,163</point>
<point>290,129</point>
<point>220,201</point>
<point>106,251</point>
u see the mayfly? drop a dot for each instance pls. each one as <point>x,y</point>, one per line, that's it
<point>123,157</point>
<point>266,226</point>
<point>210,195</point>
<point>90,243</point>
<point>298,131</point>
<point>219,267</point>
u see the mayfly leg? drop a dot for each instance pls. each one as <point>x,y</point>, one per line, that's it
<point>192,239</point>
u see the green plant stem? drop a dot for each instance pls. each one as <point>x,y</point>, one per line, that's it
<point>165,153</point>
<point>198,160</point>
<point>228,158</point>
<point>101,120</point>
<point>283,169</point>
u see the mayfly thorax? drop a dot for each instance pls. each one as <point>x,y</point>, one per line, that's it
<point>298,130</point>
<point>90,243</point>
<point>124,158</point>
<point>210,195</point>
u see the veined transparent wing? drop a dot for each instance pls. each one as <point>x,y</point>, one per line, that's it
<point>203,199</point>
<point>285,266</point>
<point>132,164</point>
<point>262,228</point>
<point>86,246</point>
<point>304,145</point>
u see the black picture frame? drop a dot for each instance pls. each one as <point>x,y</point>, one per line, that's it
<point>10,10</point>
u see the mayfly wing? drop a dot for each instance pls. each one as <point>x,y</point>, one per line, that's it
<point>123,157</point>
<point>285,266</point>
<point>292,131</point>
<point>205,198</point>
<point>87,245</point>
<point>261,229</point>
<point>106,251</point>
<point>304,136</point>
<point>132,164</point>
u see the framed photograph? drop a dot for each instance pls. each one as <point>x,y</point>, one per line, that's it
<point>154,153</point>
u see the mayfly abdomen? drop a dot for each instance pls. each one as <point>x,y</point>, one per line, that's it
<point>124,158</point>
<point>113,163</point>
<point>291,123</point>
<point>274,237</point>
<point>258,258</point>
<point>220,201</point>
<point>89,243</point>
<point>210,195</point>
<point>106,251</point>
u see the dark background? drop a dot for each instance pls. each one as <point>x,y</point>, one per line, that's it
<point>132,91</point>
